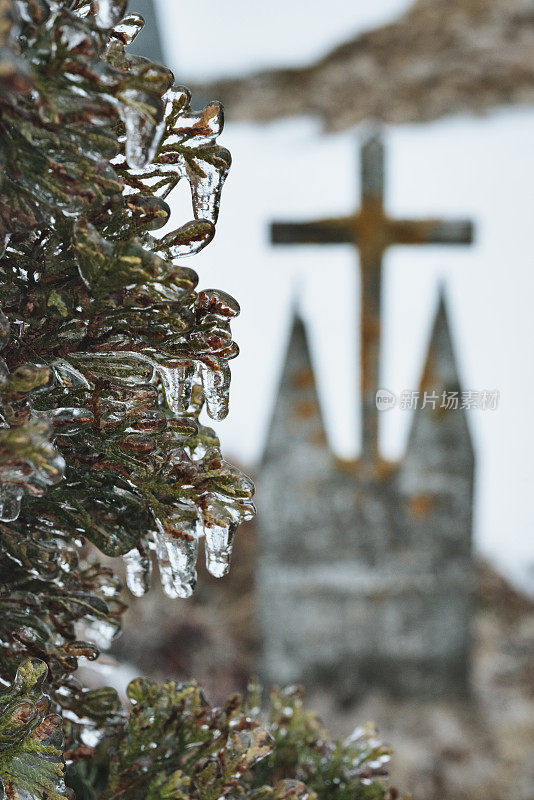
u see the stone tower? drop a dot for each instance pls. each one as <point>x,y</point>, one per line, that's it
<point>364,580</point>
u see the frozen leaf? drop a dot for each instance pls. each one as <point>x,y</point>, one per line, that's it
<point>129,27</point>
<point>28,464</point>
<point>256,744</point>
<point>188,240</point>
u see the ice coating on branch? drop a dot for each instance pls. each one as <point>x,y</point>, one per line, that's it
<point>142,114</point>
<point>67,421</point>
<point>188,149</point>
<point>28,460</point>
<point>177,551</point>
<point>135,351</point>
<point>28,463</point>
<point>202,126</point>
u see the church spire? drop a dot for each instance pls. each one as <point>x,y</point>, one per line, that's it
<point>440,441</point>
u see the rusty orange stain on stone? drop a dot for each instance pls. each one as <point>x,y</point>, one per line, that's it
<point>303,378</point>
<point>306,409</point>
<point>420,505</point>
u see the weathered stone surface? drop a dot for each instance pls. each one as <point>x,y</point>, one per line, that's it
<point>440,58</point>
<point>365,581</point>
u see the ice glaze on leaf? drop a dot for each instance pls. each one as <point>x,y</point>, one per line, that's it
<point>111,352</point>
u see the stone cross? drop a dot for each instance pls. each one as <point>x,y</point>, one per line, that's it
<point>372,231</point>
<point>365,573</point>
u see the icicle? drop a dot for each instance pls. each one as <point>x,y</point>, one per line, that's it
<point>216,386</point>
<point>177,383</point>
<point>10,500</point>
<point>206,188</point>
<point>108,12</point>
<point>142,114</point>
<point>138,571</point>
<point>218,548</point>
<point>177,552</point>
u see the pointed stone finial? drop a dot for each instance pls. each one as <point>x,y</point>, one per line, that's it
<point>440,441</point>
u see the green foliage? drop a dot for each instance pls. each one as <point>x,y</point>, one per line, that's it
<point>31,758</point>
<point>110,352</point>
<point>302,749</point>
<point>175,745</point>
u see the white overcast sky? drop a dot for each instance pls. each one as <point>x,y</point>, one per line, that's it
<point>482,169</point>
<point>214,37</point>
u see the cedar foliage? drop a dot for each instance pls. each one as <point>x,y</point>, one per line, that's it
<point>109,354</point>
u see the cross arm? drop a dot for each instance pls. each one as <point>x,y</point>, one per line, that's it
<point>431,231</point>
<point>324,231</point>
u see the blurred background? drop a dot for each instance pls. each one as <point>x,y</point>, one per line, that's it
<point>397,584</point>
